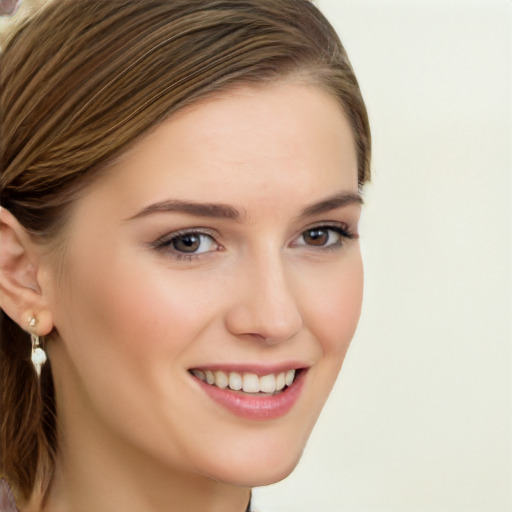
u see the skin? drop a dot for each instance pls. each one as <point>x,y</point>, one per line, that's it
<point>136,431</point>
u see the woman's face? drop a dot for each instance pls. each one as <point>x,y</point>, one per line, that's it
<point>222,247</point>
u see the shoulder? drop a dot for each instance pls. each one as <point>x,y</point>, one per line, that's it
<point>7,503</point>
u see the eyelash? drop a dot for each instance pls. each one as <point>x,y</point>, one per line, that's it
<point>341,229</point>
<point>164,243</point>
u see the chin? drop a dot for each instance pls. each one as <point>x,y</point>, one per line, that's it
<point>252,476</point>
<point>257,465</point>
<point>272,475</point>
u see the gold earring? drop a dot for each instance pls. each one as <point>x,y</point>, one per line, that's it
<point>38,356</point>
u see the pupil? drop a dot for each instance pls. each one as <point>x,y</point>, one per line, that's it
<point>187,243</point>
<point>316,237</point>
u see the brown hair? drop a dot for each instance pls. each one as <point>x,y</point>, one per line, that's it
<point>81,81</point>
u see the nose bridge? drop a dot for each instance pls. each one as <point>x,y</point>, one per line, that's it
<point>266,304</point>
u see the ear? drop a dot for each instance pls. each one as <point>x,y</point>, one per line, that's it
<point>21,297</point>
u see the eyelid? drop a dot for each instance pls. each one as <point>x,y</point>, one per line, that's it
<point>185,231</point>
<point>328,224</point>
<point>163,243</point>
<point>341,228</point>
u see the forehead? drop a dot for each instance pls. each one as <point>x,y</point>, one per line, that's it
<point>276,138</point>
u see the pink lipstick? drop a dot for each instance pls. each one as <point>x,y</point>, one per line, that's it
<point>251,396</point>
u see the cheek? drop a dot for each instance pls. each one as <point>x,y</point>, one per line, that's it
<point>122,311</point>
<point>126,326</point>
<point>131,296</point>
<point>335,307</point>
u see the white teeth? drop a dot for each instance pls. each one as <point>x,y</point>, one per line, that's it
<point>221,380</point>
<point>290,375</point>
<point>267,383</point>
<point>280,381</point>
<point>248,382</point>
<point>251,383</point>
<point>199,374</point>
<point>235,381</point>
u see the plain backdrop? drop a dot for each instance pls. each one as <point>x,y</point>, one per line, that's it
<point>421,417</point>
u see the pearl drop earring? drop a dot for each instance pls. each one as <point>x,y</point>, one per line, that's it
<point>38,356</point>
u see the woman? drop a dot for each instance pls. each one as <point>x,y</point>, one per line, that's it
<point>180,196</point>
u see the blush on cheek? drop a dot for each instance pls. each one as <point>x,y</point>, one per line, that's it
<point>342,314</point>
<point>148,314</point>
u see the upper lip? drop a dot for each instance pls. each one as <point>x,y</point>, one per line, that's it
<point>256,368</point>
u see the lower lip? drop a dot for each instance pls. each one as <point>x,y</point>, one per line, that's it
<point>256,407</point>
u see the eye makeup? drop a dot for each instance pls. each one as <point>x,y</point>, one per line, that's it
<point>194,243</point>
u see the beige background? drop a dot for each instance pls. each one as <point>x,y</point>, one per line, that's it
<point>421,418</point>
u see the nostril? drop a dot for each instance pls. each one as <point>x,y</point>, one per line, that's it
<point>269,328</point>
<point>265,306</point>
<point>283,326</point>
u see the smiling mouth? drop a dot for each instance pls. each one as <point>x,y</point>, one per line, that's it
<point>247,382</point>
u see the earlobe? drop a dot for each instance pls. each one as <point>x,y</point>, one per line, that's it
<point>20,294</point>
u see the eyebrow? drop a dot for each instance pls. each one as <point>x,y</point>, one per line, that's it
<point>213,210</point>
<point>332,203</point>
<point>224,211</point>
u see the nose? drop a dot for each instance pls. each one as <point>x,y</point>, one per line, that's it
<point>265,305</point>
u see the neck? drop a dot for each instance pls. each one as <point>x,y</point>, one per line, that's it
<point>79,489</point>
<point>98,471</point>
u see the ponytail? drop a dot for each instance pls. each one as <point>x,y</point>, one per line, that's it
<point>27,419</point>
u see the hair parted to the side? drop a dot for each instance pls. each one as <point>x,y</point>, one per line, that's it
<point>82,80</point>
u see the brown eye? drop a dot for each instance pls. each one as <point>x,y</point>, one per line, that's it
<point>317,236</point>
<point>192,243</point>
<point>187,243</point>
<point>323,237</point>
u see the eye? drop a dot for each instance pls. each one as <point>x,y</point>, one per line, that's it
<point>187,244</point>
<point>323,237</point>
<point>192,243</point>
